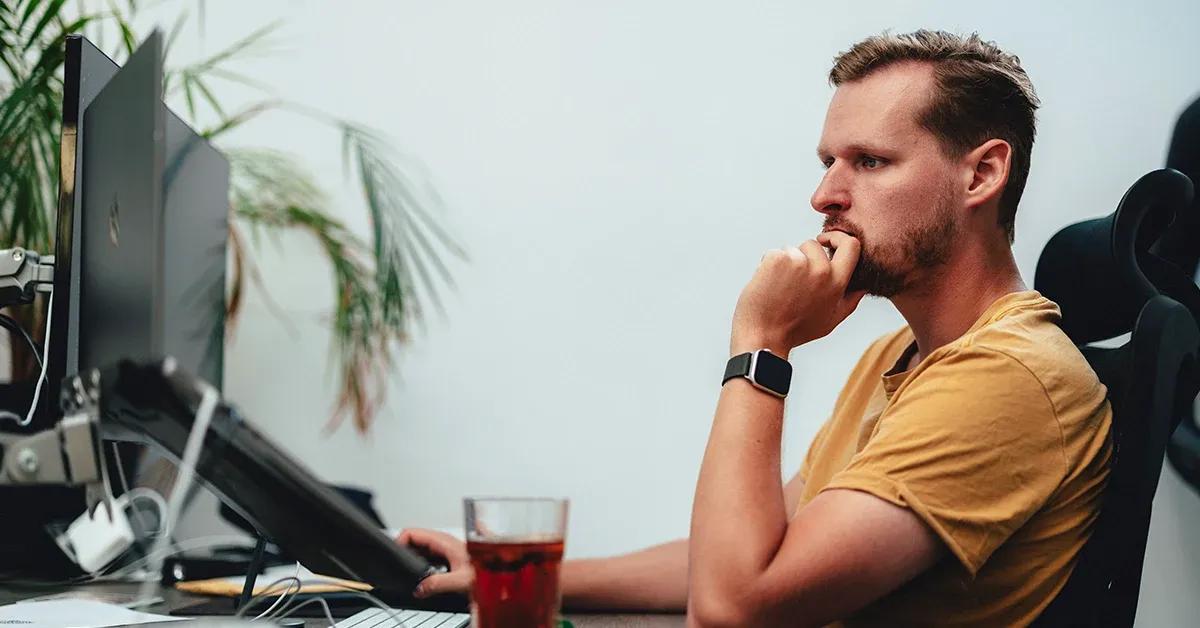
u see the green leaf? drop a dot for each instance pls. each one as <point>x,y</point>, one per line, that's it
<point>208,96</point>
<point>187,94</point>
<point>52,12</point>
<point>30,9</point>
<point>236,120</point>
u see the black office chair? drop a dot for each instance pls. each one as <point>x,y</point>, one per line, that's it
<point>1181,247</point>
<point>1107,279</point>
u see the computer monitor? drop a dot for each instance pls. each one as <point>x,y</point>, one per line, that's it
<point>144,202</point>
<point>155,200</point>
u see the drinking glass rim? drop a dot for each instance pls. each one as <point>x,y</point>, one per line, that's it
<point>562,500</point>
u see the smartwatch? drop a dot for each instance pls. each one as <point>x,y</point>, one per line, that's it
<point>765,370</point>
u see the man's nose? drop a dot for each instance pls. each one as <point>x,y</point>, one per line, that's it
<point>833,193</point>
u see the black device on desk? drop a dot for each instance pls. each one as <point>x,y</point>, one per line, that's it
<point>142,232</point>
<point>156,402</point>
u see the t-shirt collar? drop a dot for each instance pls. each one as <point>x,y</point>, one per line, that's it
<point>894,377</point>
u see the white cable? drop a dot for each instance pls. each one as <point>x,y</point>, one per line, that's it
<point>183,482</point>
<point>203,542</point>
<point>153,496</point>
<point>375,601</point>
<point>267,593</point>
<point>200,542</point>
<point>324,605</point>
<point>120,466</point>
<point>37,389</point>
<point>283,596</point>
<point>293,587</point>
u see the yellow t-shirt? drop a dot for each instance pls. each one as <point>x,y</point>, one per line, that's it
<point>999,441</point>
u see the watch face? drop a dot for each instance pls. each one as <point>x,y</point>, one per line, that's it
<point>773,372</point>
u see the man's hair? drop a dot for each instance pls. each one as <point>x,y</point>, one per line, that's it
<point>982,93</point>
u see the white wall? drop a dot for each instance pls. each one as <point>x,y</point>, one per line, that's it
<point>615,170</point>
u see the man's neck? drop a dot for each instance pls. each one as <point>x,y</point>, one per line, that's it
<point>945,304</point>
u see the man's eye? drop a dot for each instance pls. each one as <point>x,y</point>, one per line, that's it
<point>870,163</point>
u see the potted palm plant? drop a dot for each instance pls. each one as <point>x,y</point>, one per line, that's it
<point>383,281</point>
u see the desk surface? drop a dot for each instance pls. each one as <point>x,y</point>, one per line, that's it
<point>173,599</point>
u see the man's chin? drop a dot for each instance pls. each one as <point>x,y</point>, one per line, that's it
<point>875,281</point>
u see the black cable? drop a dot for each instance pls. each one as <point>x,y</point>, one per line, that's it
<point>13,326</point>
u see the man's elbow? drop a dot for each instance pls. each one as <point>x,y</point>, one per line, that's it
<point>712,613</point>
<point>741,612</point>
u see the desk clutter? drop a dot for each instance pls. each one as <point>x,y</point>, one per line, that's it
<point>74,613</point>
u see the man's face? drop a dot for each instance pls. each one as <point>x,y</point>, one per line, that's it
<point>887,181</point>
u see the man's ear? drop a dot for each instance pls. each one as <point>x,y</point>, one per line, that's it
<point>988,167</point>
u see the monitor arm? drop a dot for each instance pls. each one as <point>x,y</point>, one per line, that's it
<point>23,274</point>
<point>67,454</point>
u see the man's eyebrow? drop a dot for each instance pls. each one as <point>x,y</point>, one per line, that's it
<point>823,152</point>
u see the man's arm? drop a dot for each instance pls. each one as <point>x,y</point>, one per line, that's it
<point>653,579</point>
<point>750,565</point>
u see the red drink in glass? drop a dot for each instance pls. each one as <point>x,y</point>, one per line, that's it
<point>516,549</point>
<point>516,584</point>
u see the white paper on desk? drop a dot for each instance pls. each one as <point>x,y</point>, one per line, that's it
<point>74,614</point>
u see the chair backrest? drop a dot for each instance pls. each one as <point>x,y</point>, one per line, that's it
<point>1181,246</point>
<point>1107,280</point>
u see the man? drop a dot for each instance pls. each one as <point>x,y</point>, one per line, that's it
<point>961,471</point>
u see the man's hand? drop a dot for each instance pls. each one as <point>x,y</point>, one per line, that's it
<point>454,551</point>
<point>798,294</point>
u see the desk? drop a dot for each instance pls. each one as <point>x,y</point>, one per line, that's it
<point>175,599</point>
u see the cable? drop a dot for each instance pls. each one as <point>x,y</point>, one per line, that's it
<point>120,467</point>
<point>324,605</point>
<point>187,472</point>
<point>378,603</point>
<point>153,496</point>
<point>37,390</point>
<point>13,326</point>
<point>268,592</point>
<point>203,542</point>
<point>134,493</point>
<point>5,322</point>
<point>281,598</point>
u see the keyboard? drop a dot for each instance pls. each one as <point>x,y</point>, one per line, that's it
<point>376,618</point>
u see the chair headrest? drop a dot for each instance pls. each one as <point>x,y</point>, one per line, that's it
<point>1102,271</point>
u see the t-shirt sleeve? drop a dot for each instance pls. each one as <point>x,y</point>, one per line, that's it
<point>971,445</point>
<point>814,450</point>
<point>863,369</point>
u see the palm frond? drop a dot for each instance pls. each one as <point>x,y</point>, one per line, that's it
<point>272,191</point>
<point>383,284</point>
<point>403,242</point>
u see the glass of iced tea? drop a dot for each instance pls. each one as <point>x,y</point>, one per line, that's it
<point>516,548</point>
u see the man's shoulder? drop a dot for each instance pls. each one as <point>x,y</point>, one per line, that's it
<point>1033,341</point>
<point>1032,337</point>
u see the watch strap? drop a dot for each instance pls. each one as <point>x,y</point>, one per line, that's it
<point>738,366</point>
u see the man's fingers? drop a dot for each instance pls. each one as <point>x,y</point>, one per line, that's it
<point>435,542</point>
<point>814,252</point>
<point>846,250</point>
<point>453,582</point>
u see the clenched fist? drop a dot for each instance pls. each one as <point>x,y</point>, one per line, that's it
<point>798,294</point>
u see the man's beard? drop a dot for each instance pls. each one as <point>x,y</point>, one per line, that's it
<point>888,273</point>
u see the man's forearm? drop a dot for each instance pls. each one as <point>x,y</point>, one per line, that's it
<point>653,579</point>
<point>739,516</point>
